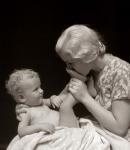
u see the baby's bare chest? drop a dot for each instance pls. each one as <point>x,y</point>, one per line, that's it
<point>44,114</point>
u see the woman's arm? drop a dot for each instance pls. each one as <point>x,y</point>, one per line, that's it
<point>116,121</point>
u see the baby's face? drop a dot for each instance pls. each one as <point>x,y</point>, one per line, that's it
<point>32,92</point>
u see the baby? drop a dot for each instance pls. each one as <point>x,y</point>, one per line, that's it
<point>25,87</point>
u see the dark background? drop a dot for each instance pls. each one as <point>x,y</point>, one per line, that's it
<point>28,34</point>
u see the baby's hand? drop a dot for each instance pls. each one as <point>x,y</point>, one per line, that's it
<point>47,127</point>
<point>20,108</point>
<point>56,101</point>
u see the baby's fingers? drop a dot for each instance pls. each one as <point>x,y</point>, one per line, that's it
<point>56,105</point>
<point>22,110</point>
<point>56,102</point>
<point>20,106</point>
<point>51,129</point>
<point>53,106</point>
<point>59,101</point>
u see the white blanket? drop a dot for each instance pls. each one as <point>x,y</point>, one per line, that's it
<point>88,137</point>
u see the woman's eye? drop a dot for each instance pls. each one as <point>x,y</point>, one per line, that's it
<point>69,65</point>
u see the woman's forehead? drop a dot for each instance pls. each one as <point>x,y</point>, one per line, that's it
<point>69,54</point>
<point>67,58</point>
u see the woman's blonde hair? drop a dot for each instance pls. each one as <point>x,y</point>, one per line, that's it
<point>13,83</point>
<point>80,42</point>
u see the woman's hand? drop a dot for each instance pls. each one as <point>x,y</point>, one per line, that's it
<point>20,108</point>
<point>78,89</point>
<point>91,88</point>
<point>76,75</point>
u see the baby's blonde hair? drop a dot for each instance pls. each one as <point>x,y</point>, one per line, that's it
<point>81,42</point>
<point>13,83</point>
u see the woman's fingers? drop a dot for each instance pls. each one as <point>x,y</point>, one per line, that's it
<point>18,117</point>
<point>75,82</point>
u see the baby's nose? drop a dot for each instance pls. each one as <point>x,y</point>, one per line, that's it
<point>41,91</point>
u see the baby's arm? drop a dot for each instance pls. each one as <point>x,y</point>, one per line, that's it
<point>25,128</point>
<point>47,101</point>
<point>56,100</point>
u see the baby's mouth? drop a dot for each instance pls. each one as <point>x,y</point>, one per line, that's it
<point>41,96</point>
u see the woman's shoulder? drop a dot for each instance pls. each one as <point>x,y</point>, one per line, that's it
<point>117,63</point>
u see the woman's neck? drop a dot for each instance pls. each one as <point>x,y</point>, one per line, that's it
<point>101,62</point>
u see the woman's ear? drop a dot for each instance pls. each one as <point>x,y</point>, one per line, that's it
<point>102,48</point>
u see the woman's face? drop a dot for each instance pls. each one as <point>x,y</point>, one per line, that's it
<point>76,64</point>
<point>80,67</point>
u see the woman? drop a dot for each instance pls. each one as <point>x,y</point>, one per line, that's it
<point>82,49</point>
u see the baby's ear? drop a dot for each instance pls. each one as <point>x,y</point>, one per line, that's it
<point>21,98</point>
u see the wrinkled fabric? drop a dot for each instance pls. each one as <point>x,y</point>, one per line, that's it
<point>85,138</point>
<point>88,137</point>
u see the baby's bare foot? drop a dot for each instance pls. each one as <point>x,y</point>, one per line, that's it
<point>69,101</point>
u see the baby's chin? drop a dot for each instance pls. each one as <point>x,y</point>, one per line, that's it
<point>41,101</point>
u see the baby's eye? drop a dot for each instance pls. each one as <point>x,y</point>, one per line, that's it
<point>35,89</point>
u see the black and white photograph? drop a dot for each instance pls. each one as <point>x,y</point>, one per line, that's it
<point>64,75</point>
